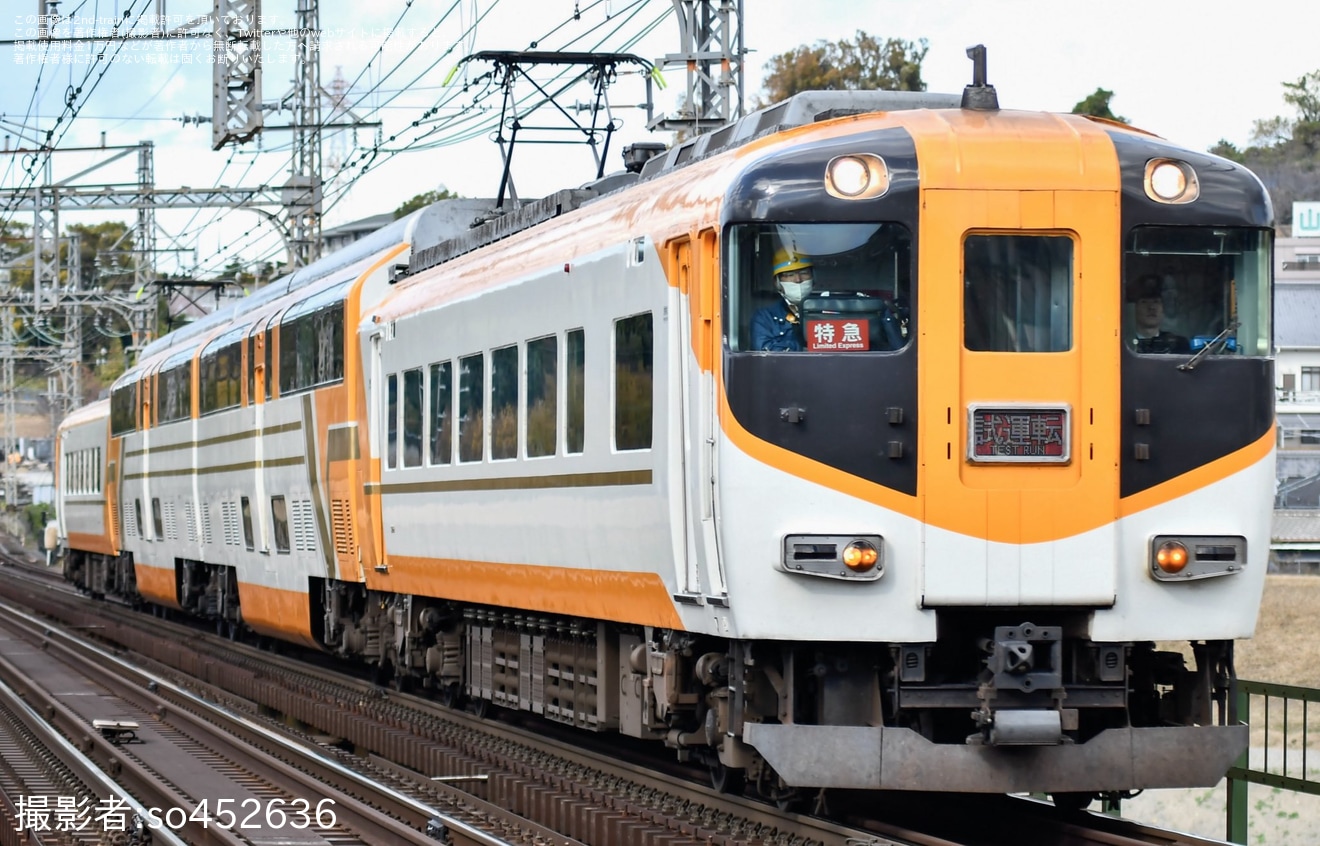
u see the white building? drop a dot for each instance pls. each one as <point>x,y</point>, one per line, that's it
<point>1297,370</point>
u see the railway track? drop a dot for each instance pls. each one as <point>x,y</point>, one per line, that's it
<point>202,772</point>
<point>571,791</point>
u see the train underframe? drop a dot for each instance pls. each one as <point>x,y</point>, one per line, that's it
<point>1004,700</point>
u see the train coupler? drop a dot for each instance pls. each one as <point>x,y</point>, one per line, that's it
<point>1022,693</point>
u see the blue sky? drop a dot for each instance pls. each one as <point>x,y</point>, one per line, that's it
<point>1179,69</point>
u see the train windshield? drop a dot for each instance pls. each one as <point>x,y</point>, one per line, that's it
<point>1186,288</point>
<point>819,287</point>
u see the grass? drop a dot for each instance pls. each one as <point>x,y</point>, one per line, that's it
<point>1284,652</point>
<point>1284,648</point>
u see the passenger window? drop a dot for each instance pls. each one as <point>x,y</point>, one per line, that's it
<point>246,508</point>
<point>471,412</point>
<point>575,393</point>
<point>279,515</point>
<point>633,366</point>
<point>312,342</point>
<point>123,406</point>
<point>412,418</point>
<point>218,377</point>
<point>392,421</point>
<point>175,389</point>
<point>442,433</point>
<point>504,403</point>
<point>542,395</point>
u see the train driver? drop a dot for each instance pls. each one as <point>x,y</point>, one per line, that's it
<point>779,326</point>
<point>1151,336</point>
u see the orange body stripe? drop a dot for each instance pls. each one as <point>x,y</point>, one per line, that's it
<point>88,542</point>
<point>285,614</point>
<point>595,594</point>
<point>156,584</point>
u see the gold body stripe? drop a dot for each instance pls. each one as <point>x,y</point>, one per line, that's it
<point>517,483</point>
<point>219,439</point>
<point>221,468</point>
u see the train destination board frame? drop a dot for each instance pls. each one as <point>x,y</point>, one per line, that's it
<point>1008,433</point>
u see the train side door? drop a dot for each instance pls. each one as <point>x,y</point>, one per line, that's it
<point>146,394</point>
<point>260,354</point>
<point>344,485</point>
<point>695,269</point>
<point>376,431</point>
<point>1020,397</point>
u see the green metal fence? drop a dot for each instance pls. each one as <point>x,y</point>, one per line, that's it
<point>1279,755</point>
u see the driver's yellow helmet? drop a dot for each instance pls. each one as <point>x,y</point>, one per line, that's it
<point>786,260</point>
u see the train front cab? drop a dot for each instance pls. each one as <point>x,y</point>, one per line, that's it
<point>1022,463</point>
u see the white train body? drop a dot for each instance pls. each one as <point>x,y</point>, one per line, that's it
<point>552,470</point>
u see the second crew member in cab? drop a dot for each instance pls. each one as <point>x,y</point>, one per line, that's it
<point>1148,316</point>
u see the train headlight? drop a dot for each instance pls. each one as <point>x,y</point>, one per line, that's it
<point>851,557</point>
<point>1180,558</point>
<point>860,176</point>
<point>1170,181</point>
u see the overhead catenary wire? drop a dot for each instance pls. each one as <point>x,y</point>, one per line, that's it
<point>458,114</point>
<point>71,112</point>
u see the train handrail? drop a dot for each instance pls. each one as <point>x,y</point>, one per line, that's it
<point>1289,700</point>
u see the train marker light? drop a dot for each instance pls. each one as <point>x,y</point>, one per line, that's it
<point>861,176</point>
<point>1188,558</point>
<point>860,556</point>
<point>1171,557</point>
<point>1169,181</point>
<point>851,557</point>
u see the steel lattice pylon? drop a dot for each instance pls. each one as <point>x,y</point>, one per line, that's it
<point>711,35</point>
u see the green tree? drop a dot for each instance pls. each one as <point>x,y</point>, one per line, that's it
<point>1097,105</point>
<point>863,63</point>
<point>105,254</point>
<point>15,240</point>
<point>1304,95</point>
<point>1227,149</point>
<point>1285,151</point>
<point>423,200</point>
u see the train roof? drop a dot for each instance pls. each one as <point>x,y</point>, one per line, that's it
<point>423,226</point>
<point>800,109</point>
<point>93,412</point>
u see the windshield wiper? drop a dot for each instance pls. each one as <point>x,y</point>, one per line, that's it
<point>1218,341</point>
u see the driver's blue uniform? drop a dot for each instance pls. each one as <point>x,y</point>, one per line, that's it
<point>775,328</point>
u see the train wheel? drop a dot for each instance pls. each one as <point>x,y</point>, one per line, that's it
<point>480,707</point>
<point>791,800</point>
<point>449,695</point>
<point>1072,801</point>
<point>730,780</point>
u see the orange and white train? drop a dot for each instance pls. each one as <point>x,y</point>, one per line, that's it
<point>542,465</point>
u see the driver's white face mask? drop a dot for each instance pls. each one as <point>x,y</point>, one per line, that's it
<point>795,292</point>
